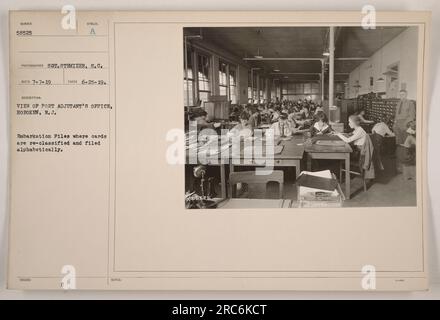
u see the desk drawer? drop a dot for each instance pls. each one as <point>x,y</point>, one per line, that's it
<point>286,163</point>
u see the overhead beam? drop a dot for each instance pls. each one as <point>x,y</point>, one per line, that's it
<point>296,73</point>
<point>299,79</point>
<point>307,59</point>
<point>352,59</point>
<point>282,59</point>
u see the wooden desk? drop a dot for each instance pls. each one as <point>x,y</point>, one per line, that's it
<point>290,156</point>
<point>338,152</point>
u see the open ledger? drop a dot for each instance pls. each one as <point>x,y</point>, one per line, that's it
<point>218,150</point>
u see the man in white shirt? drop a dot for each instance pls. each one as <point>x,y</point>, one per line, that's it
<point>283,127</point>
<point>361,116</point>
<point>382,129</point>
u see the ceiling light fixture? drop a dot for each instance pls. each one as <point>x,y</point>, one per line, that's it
<point>326,54</point>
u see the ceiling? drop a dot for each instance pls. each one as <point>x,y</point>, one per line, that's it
<point>297,42</point>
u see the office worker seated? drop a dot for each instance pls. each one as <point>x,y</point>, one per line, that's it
<point>410,141</point>
<point>235,115</point>
<point>405,113</point>
<point>321,125</point>
<point>292,116</point>
<point>410,149</point>
<point>243,129</point>
<point>363,147</point>
<point>358,136</point>
<point>305,117</point>
<point>318,109</point>
<point>284,127</point>
<point>305,112</point>
<point>255,118</point>
<point>275,114</point>
<point>200,117</point>
<point>410,144</point>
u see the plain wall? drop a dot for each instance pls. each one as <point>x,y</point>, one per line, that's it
<point>403,50</point>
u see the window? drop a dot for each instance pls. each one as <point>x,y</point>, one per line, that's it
<point>275,90</point>
<point>263,94</point>
<point>296,91</point>
<point>255,87</point>
<point>311,88</point>
<point>196,78</point>
<point>188,79</point>
<point>228,81</point>
<point>249,87</point>
<point>233,85</point>
<point>203,65</point>
<point>223,78</point>
<point>255,91</point>
<point>307,88</point>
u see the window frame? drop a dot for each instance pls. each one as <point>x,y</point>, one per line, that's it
<point>190,56</point>
<point>227,85</point>
<point>200,53</point>
<point>300,89</point>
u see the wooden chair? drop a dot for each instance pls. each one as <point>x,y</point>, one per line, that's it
<point>256,183</point>
<point>355,164</point>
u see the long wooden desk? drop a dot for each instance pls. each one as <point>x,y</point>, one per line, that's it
<point>290,156</point>
<point>338,152</point>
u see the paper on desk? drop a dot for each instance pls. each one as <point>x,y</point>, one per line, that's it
<point>322,174</point>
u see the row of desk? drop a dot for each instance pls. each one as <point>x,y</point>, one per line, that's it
<point>291,156</point>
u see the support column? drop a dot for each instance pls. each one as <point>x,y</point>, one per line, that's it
<point>268,90</point>
<point>258,89</point>
<point>331,67</point>
<point>252,85</point>
<point>215,90</point>
<point>322,80</point>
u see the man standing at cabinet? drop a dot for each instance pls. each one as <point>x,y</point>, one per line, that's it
<point>405,114</point>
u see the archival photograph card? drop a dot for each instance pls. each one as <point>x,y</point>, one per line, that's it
<point>218,150</point>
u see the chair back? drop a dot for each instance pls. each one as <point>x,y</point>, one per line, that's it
<point>257,184</point>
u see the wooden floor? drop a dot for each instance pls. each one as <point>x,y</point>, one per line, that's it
<point>397,191</point>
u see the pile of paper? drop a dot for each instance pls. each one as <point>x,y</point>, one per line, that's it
<point>318,189</point>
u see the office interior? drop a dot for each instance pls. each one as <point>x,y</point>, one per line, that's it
<point>298,72</point>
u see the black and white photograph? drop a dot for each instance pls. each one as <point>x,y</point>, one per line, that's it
<point>297,117</point>
<point>251,151</point>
